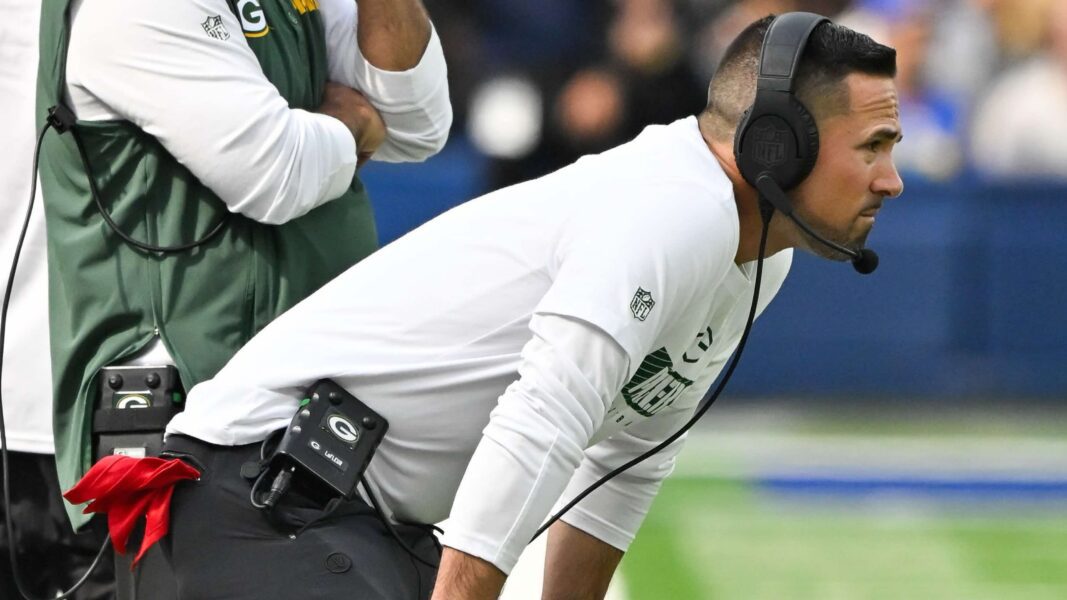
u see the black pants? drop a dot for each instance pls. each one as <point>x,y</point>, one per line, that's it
<point>52,557</point>
<point>221,547</point>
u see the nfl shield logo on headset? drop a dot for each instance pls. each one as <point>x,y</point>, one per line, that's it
<point>770,144</point>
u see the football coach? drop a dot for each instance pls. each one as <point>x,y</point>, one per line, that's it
<point>520,347</point>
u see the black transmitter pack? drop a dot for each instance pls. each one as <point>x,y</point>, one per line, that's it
<point>332,437</point>
<point>135,405</point>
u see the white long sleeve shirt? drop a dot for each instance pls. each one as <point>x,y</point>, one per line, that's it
<point>521,345</point>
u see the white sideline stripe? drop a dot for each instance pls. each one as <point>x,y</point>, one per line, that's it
<point>737,453</point>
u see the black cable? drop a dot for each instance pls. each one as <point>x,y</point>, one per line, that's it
<point>278,487</point>
<point>13,554</point>
<point>144,246</point>
<point>389,525</point>
<point>706,403</point>
<point>253,494</point>
<point>271,441</point>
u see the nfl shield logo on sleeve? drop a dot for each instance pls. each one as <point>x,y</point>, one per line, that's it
<point>642,304</point>
<point>214,27</point>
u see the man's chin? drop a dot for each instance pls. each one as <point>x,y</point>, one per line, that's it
<point>821,250</point>
<point>851,239</point>
<point>826,252</point>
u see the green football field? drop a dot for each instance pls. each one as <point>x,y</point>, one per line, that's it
<point>717,539</point>
<point>716,535</point>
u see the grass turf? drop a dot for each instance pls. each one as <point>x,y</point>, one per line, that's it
<point>724,539</point>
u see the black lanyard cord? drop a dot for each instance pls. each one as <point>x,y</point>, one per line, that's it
<point>140,245</point>
<point>706,403</point>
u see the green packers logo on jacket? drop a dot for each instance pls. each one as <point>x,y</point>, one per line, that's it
<point>253,21</point>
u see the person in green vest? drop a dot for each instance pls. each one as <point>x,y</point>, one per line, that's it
<point>208,181</point>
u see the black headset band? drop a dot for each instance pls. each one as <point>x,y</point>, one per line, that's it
<point>786,39</point>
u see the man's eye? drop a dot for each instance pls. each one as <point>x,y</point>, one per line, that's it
<point>873,146</point>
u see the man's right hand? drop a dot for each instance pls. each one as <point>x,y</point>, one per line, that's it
<point>356,112</point>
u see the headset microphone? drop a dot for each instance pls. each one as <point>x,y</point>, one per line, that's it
<point>864,260</point>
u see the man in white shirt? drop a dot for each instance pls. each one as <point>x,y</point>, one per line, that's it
<point>523,345</point>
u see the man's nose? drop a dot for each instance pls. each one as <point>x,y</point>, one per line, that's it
<point>888,184</point>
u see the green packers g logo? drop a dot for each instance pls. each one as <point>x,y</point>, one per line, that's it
<point>253,21</point>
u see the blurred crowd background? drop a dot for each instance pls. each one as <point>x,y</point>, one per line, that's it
<point>537,83</point>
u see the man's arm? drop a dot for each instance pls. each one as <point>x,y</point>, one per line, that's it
<point>578,566</point>
<point>531,446</point>
<point>393,33</point>
<point>359,116</point>
<point>466,577</point>
<point>586,344</point>
<point>387,50</point>
<point>207,101</point>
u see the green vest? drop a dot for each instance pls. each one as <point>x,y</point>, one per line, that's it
<point>109,299</point>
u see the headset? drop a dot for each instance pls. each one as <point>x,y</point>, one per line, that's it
<point>776,145</point>
<point>777,141</point>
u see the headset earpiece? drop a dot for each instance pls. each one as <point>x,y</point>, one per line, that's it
<point>777,135</point>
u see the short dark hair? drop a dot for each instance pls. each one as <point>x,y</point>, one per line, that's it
<point>832,53</point>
